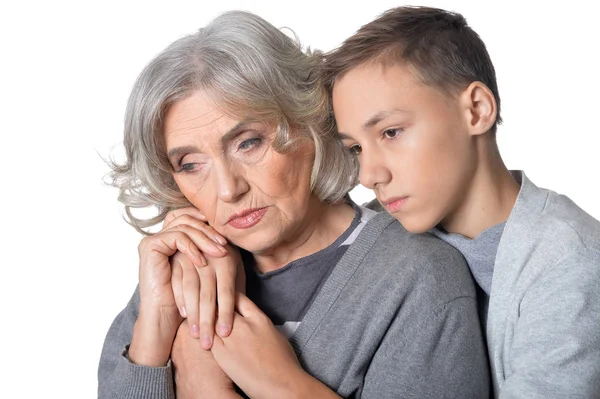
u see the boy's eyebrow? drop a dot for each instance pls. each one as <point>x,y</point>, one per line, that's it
<point>378,117</point>
<point>372,121</point>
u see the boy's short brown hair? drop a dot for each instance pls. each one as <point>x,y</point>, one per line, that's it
<point>444,51</point>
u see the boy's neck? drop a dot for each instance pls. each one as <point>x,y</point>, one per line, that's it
<point>491,195</point>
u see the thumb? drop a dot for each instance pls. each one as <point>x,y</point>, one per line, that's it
<point>245,306</point>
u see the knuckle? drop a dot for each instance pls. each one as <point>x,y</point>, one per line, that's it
<point>190,286</point>
<point>226,294</point>
<point>207,295</point>
<point>205,325</point>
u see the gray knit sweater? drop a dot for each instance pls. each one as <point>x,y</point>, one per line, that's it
<point>397,318</point>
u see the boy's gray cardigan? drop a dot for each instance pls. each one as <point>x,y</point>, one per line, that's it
<point>543,324</point>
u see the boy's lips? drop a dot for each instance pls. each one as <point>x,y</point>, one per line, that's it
<point>393,204</point>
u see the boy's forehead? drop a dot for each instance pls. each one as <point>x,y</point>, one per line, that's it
<point>375,84</point>
<point>378,80</point>
<point>371,94</point>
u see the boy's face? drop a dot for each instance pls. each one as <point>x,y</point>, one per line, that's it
<point>412,142</point>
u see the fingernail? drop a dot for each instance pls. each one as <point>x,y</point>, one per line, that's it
<point>222,249</point>
<point>195,330</point>
<point>206,341</point>
<point>182,311</point>
<point>221,240</point>
<point>203,261</point>
<point>222,329</point>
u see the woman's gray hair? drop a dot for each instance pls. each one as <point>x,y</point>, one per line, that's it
<point>251,70</point>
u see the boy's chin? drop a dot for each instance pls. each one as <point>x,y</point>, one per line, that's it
<point>414,224</point>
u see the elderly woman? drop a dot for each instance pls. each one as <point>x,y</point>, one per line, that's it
<point>230,128</point>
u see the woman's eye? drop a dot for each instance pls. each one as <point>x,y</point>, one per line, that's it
<point>392,133</point>
<point>190,163</point>
<point>187,167</point>
<point>355,149</point>
<point>249,144</point>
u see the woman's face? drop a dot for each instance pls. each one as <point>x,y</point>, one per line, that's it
<point>254,196</point>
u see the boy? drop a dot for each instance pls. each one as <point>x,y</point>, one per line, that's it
<point>415,98</point>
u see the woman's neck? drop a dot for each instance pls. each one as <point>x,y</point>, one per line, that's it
<point>323,224</point>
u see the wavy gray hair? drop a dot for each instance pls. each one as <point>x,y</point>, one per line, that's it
<point>250,69</point>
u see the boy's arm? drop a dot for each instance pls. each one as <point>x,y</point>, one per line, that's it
<point>556,344</point>
<point>117,376</point>
<point>441,355</point>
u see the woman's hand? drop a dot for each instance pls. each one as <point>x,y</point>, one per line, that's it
<point>257,357</point>
<point>197,291</point>
<point>197,374</point>
<point>159,317</point>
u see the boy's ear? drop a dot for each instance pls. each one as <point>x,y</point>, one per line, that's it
<point>479,106</point>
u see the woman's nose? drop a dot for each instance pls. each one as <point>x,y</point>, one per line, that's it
<point>231,184</point>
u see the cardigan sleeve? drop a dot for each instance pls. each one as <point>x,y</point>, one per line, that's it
<point>118,378</point>
<point>555,352</point>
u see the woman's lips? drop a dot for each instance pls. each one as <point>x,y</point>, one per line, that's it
<point>247,218</point>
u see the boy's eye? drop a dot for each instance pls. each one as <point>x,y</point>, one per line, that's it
<point>392,133</point>
<point>355,149</point>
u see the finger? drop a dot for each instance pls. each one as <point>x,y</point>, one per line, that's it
<point>218,348</point>
<point>219,344</point>
<point>202,242</point>
<point>169,242</point>
<point>199,225</point>
<point>168,219</point>
<point>192,211</point>
<point>245,306</point>
<point>208,304</point>
<point>240,279</point>
<point>177,282</point>
<point>226,282</point>
<point>191,294</point>
<point>189,210</point>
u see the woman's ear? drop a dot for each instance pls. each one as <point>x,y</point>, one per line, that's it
<point>479,108</point>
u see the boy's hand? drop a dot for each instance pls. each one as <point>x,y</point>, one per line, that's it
<point>256,356</point>
<point>197,374</point>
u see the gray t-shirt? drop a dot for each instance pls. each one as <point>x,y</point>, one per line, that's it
<point>287,293</point>
<point>480,252</point>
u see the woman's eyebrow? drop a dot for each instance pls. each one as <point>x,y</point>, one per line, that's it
<point>233,132</point>
<point>177,152</point>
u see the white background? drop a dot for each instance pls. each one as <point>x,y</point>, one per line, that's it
<point>70,261</point>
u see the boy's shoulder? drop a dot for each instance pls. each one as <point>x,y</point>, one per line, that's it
<point>552,221</point>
